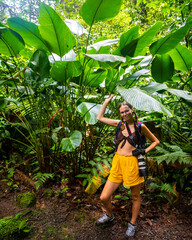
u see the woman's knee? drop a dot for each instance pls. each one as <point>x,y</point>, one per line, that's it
<point>105,198</point>
<point>136,197</point>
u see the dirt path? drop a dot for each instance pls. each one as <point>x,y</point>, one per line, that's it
<point>73,217</point>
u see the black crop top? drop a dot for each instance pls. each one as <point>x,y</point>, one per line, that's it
<point>132,140</point>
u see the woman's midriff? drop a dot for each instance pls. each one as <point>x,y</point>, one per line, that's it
<point>126,150</point>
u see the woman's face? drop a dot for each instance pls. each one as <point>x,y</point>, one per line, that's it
<point>125,112</point>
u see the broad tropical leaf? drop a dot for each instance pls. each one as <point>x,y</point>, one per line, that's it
<point>107,57</point>
<point>11,43</point>
<point>95,78</point>
<point>162,68</point>
<point>141,100</point>
<point>101,10</point>
<point>29,32</point>
<point>89,111</point>
<point>167,43</point>
<point>71,143</point>
<point>103,43</point>
<point>134,76</point>
<point>154,87</point>
<point>125,40</point>
<point>145,39</point>
<point>182,58</point>
<point>75,27</point>
<point>146,61</point>
<point>137,46</point>
<point>63,70</point>
<point>54,31</point>
<point>180,93</point>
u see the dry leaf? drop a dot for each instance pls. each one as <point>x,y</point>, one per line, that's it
<point>149,221</point>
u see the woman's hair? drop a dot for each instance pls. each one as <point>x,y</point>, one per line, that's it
<point>131,107</point>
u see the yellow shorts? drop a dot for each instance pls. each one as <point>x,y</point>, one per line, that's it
<point>125,169</point>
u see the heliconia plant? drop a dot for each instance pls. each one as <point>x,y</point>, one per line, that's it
<point>61,76</point>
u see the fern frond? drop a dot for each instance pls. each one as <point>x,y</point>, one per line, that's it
<point>180,156</point>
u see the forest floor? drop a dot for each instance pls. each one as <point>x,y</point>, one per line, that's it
<point>73,217</point>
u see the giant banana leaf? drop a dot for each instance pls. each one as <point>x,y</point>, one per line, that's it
<point>54,31</point>
<point>182,58</point>
<point>11,43</point>
<point>101,10</point>
<point>71,143</point>
<point>167,43</point>
<point>29,32</point>
<point>162,68</point>
<point>141,100</point>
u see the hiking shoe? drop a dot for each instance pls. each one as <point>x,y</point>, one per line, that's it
<point>104,219</point>
<point>131,230</point>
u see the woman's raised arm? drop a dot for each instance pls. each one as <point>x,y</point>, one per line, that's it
<point>100,116</point>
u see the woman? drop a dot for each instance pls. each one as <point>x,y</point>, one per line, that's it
<point>124,165</point>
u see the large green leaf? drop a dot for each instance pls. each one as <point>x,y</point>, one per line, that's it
<point>141,100</point>
<point>137,46</point>
<point>101,10</point>
<point>125,39</point>
<point>71,143</point>
<point>95,78</point>
<point>162,68</point>
<point>181,93</point>
<point>103,43</point>
<point>54,31</point>
<point>75,27</point>
<point>63,70</point>
<point>89,111</point>
<point>146,38</point>
<point>11,43</point>
<point>154,87</point>
<point>107,57</point>
<point>29,32</point>
<point>112,78</point>
<point>134,76</point>
<point>182,58</point>
<point>39,63</point>
<point>170,41</point>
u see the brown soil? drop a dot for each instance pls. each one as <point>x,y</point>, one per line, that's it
<point>73,216</point>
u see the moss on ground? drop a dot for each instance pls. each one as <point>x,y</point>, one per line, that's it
<point>13,228</point>
<point>25,200</point>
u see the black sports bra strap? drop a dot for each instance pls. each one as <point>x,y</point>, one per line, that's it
<point>128,129</point>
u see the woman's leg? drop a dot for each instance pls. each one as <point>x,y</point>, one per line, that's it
<point>135,192</point>
<point>106,196</point>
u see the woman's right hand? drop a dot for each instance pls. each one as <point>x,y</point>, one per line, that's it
<point>109,99</point>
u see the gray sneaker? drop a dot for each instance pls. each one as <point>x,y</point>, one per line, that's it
<point>130,231</point>
<point>104,219</point>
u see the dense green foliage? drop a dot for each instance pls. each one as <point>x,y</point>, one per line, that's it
<point>55,74</point>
